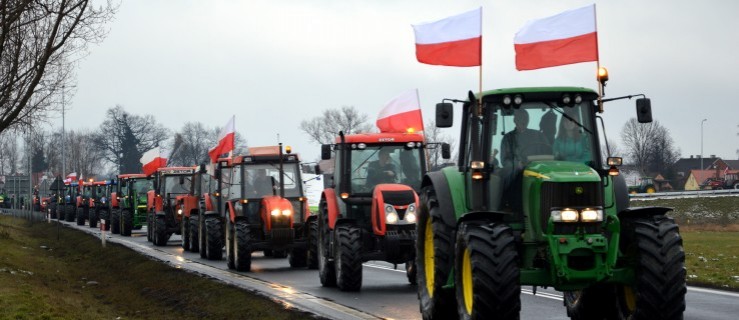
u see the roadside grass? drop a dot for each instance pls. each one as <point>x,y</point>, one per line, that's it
<point>710,230</point>
<point>74,277</point>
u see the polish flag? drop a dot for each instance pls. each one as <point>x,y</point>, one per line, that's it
<point>71,177</point>
<point>566,38</point>
<point>225,141</point>
<point>402,114</point>
<point>153,160</point>
<point>454,41</point>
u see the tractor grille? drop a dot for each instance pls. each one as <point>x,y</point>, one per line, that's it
<point>564,194</point>
<point>399,198</point>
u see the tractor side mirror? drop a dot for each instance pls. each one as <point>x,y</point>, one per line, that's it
<point>325,151</point>
<point>202,168</point>
<point>644,110</point>
<point>444,115</point>
<point>446,151</point>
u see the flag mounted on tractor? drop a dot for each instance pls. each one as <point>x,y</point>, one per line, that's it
<point>153,160</point>
<point>225,141</point>
<point>454,41</point>
<point>401,114</point>
<point>566,38</point>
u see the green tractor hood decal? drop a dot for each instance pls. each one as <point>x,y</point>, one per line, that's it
<point>561,171</point>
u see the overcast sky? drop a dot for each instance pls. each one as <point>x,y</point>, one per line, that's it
<point>275,63</point>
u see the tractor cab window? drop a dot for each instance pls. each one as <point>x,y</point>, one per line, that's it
<point>176,184</point>
<point>374,165</point>
<point>142,186</point>
<point>263,179</point>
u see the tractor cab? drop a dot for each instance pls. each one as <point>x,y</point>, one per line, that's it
<point>129,203</point>
<point>171,185</point>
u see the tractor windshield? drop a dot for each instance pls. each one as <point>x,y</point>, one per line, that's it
<point>378,164</point>
<point>142,186</point>
<point>541,131</point>
<point>263,179</point>
<point>176,184</point>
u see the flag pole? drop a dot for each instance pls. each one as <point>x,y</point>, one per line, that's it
<point>479,104</point>
<point>423,132</point>
<point>597,63</point>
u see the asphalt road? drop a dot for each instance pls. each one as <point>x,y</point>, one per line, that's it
<point>385,292</point>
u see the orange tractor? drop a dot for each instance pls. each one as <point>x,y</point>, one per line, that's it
<point>264,208</point>
<point>164,202</point>
<point>85,202</point>
<point>193,206</point>
<point>369,211</point>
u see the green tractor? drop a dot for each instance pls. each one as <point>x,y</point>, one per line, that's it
<point>544,212</point>
<point>4,199</point>
<point>646,185</point>
<point>129,203</point>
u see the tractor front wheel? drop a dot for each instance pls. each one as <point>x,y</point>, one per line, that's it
<point>194,242</point>
<point>80,217</point>
<point>326,271</point>
<point>348,258</point>
<point>126,222</point>
<point>105,215</point>
<point>160,231</point>
<point>242,247</point>
<point>69,213</point>
<point>230,259</point>
<point>93,217</point>
<point>312,254</point>
<point>213,238</point>
<point>115,221</point>
<point>434,260</point>
<point>487,274</point>
<point>185,233</point>
<point>657,247</point>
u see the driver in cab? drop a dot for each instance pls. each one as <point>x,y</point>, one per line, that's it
<point>522,142</point>
<point>382,170</point>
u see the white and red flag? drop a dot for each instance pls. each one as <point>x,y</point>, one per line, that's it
<point>454,41</point>
<point>566,38</point>
<point>153,160</point>
<point>225,141</point>
<point>71,177</point>
<point>402,114</point>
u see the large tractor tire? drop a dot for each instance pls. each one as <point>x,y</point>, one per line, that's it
<point>105,215</point>
<point>160,231</point>
<point>185,233</point>
<point>659,291</point>
<point>348,258</point>
<point>597,302</point>
<point>242,246</point>
<point>126,222</point>
<point>411,271</point>
<point>202,237</point>
<point>81,215</point>
<point>486,272</point>
<point>297,258</point>
<point>194,242</point>
<point>213,238</point>
<point>115,221</point>
<point>326,270</point>
<point>230,258</point>
<point>93,217</point>
<point>69,213</point>
<point>434,260</point>
<point>312,252</point>
<point>150,227</point>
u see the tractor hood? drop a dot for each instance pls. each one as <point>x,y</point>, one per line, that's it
<point>561,171</point>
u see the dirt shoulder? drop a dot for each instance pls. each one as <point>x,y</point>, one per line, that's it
<point>73,276</point>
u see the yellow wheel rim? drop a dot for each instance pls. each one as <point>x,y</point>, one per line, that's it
<point>629,299</point>
<point>428,257</point>
<point>650,190</point>
<point>467,280</point>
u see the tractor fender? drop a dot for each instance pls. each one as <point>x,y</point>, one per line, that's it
<point>639,212</point>
<point>208,202</point>
<point>440,184</point>
<point>343,221</point>
<point>621,193</point>
<point>332,207</point>
<point>208,214</point>
<point>230,211</point>
<point>311,218</point>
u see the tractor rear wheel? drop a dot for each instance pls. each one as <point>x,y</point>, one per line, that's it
<point>185,233</point>
<point>487,274</point>
<point>657,246</point>
<point>126,222</point>
<point>69,213</point>
<point>115,221</point>
<point>81,215</point>
<point>194,242</point>
<point>297,258</point>
<point>312,254</point>
<point>595,302</point>
<point>150,227</point>
<point>160,231</point>
<point>213,238</point>
<point>434,260</point>
<point>326,271</point>
<point>242,246</point>
<point>230,260</point>
<point>105,215</point>
<point>202,235</point>
<point>93,217</point>
<point>348,257</point>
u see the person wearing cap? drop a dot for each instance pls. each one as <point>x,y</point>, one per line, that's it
<point>383,170</point>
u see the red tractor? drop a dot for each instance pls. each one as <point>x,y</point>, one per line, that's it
<point>265,208</point>
<point>194,206</point>
<point>164,202</point>
<point>369,211</point>
<point>85,202</point>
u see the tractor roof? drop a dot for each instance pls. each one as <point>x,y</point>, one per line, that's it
<point>536,90</point>
<point>102,183</point>
<point>177,170</point>
<point>381,138</point>
<point>131,175</point>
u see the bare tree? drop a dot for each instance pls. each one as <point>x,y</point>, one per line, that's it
<point>82,155</point>
<point>10,154</point>
<point>40,40</point>
<point>324,129</point>
<point>125,137</point>
<point>434,134</point>
<point>192,142</point>
<point>648,145</point>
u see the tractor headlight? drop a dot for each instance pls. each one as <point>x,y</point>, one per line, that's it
<point>179,211</point>
<point>287,212</point>
<point>275,212</point>
<point>412,208</point>
<point>410,217</point>
<point>389,208</point>
<point>591,215</point>
<point>391,217</point>
<point>564,215</point>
